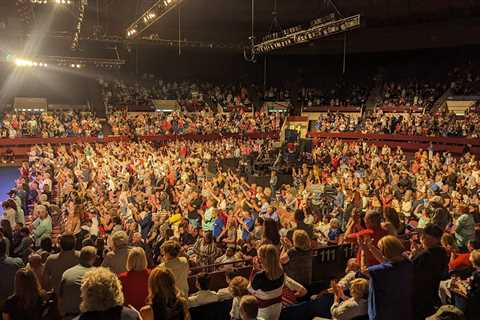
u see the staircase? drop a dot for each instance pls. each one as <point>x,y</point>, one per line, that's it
<point>440,103</point>
<point>96,98</point>
<point>375,93</point>
<point>106,128</point>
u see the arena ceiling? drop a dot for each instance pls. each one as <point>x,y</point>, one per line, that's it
<point>229,21</point>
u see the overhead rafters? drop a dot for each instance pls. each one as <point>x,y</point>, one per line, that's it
<point>319,28</point>
<point>150,16</point>
<point>78,26</point>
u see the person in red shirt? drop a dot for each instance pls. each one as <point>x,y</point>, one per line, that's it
<point>458,261</point>
<point>374,230</point>
<point>135,280</point>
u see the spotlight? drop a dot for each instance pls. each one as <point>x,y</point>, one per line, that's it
<point>72,65</point>
<point>78,66</point>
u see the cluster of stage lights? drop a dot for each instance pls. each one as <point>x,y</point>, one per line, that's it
<point>150,16</point>
<point>52,1</point>
<point>315,32</point>
<point>28,63</point>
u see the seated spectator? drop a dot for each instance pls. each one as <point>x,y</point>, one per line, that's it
<point>102,297</point>
<point>203,295</point>
<point>163,298</point>
<point>345,308</point>
<point>297,261</point>
<point>458,260</point>
<point>116,260</point>
<point>230,256</point>
<point>135,280</point>
<point>472,308</point>
<point>69,291</point>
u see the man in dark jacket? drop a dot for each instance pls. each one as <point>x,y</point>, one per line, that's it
<point>430,267</point>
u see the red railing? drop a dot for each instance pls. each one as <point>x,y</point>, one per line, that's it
<point>409,143</point>
<point>21,146</point>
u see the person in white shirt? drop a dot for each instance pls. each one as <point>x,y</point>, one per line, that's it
<point>177,265</point>
<point>203,295</point>
<point>229,256</point>
<point>345,308</point>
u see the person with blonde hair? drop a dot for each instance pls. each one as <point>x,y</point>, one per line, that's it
<point>345,308</point>
<point>297,261</point>
<point>238,288</point>
<point>391,286</point>
<point>135,280</point>
<point>164,301</point>
<point>116,259</point>
<point>267,285</point>
<point>102,297</point>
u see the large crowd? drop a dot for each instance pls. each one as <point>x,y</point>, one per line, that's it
<point>144,219</point>
<point>203,122</point>
<point>49,124</point>
<point>408,123</point>
<point>192,96</point>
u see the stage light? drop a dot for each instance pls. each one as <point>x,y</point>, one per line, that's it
<point>319,28</point>
<point>78,66</point>
<point>151,16</point>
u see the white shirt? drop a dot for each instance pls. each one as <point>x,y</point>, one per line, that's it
<point>202,297</point>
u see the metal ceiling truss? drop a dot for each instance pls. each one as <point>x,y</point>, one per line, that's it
<point>151,16</point>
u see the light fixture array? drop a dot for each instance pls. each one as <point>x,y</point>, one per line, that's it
<point>52,1</point>
<point>150,16</point>
<point>29,63</point>
<point>285,32</point>
<point>78,26</point>
<point>63,62</point>
<point>317,31</point>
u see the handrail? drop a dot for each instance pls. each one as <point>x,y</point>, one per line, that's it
<point>215,265</point>
<point>27,141</point>
<point>395,137</point>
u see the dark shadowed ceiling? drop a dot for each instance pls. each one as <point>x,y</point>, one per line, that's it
<point>387,24</point>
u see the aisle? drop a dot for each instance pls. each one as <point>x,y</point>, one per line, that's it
<point>8,175</point>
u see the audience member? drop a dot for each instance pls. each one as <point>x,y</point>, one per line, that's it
<point>70,285</point>
<point>135,280</point>
<point>163,298</point>
<point>102,297</point>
